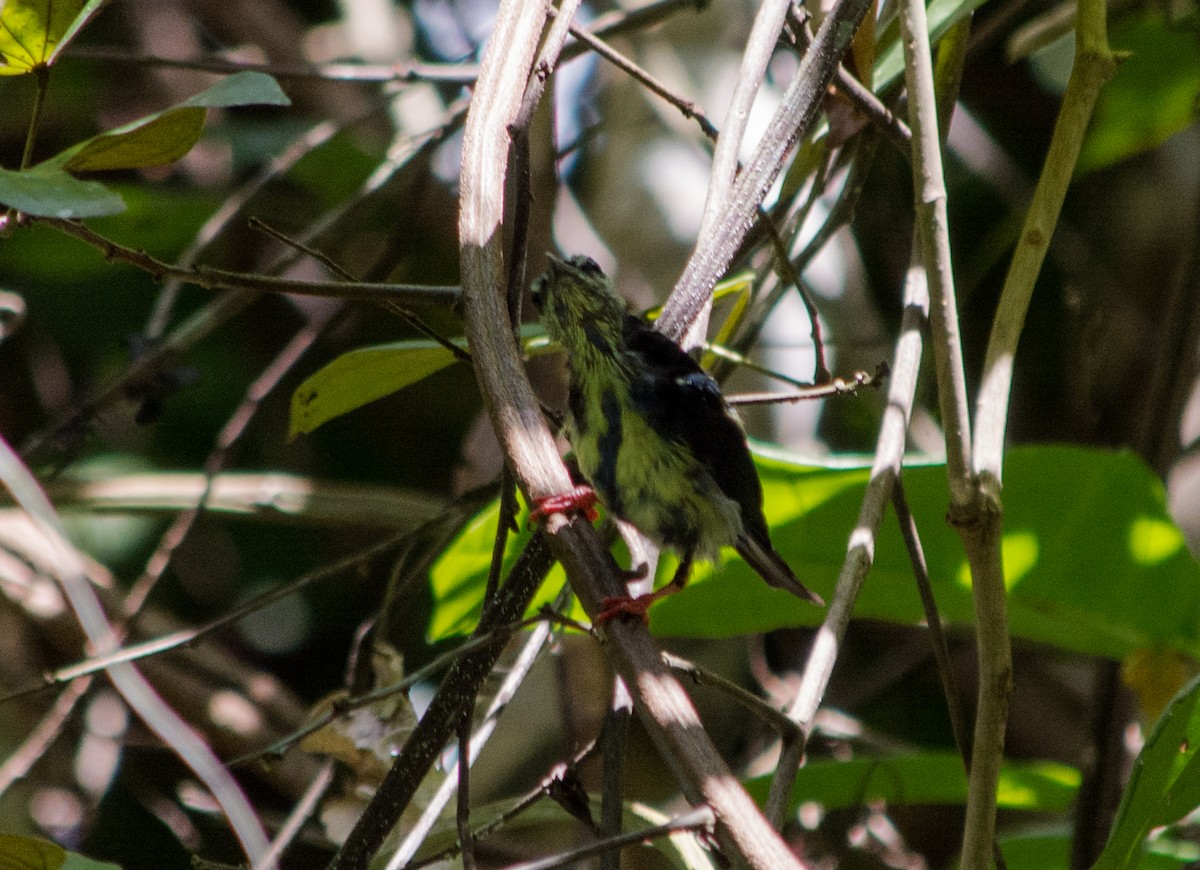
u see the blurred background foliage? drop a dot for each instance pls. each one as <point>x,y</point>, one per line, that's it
<point>617,174</point>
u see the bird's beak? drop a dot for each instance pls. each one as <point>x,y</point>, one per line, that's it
<point>556,264</point>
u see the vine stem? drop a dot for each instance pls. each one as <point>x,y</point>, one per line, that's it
<point>1094,64</point>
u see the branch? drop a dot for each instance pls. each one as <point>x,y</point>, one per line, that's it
<point>792,121</point>
<point>663,706</point>
<point>222,279</point>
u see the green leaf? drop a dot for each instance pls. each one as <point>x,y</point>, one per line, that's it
<point>362,376</point>
<point>1053,852</point>
<point>51,192</point>
<point>34,853</point>
<point>34,32</point>
<point>166,136</point>
<point>1165,783</point>
<point>240,89</point>
<point>157,141</point>
<point>459,577</point>
<point>942,15</point>
<point>1086,535</point>
<point>925,778</point>
<point>1154,94</point>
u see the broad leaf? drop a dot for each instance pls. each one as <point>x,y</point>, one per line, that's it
<point>34,32</point>
<point>49,192</point>
<point>1165,63</point>
<point>925,778</point>
<point>1053,852</point>
<point>166,136</point>
<point>1089,551</point>
<point>1165,784</point>
<point>459,577</point>
<point>34,853</point>
<point>364,375</point>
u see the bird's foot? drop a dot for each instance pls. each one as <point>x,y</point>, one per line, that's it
<point>631,605</point>
<point>579,498</point>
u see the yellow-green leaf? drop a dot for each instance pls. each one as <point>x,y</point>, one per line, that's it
<point>33,32</point>
<point>166,136</point>
<point>362,376</point>
<point>154,142</point>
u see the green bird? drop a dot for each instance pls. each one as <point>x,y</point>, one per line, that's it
<point>652,434</point>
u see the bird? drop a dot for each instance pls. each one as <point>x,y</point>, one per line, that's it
<point>652,435</point>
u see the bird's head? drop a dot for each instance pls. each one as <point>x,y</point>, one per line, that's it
<point>579,306</point>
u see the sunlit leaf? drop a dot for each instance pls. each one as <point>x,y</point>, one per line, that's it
<point>942,14</point>
<point>33,32</point>
<point>1053,852</point>
<point>925,778</point>
<point>1076,571</point>
<point>154,142</point>
<point>459,577</point>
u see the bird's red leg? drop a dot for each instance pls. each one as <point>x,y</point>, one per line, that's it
<point>579,498</point>
<point>624,604</point>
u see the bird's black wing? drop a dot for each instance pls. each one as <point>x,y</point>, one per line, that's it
<point>683,404</point>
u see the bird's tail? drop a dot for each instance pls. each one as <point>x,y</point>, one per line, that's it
<point>771,567</point>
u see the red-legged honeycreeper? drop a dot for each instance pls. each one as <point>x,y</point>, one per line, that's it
<point>652,434</point>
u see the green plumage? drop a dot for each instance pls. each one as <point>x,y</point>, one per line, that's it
<point>650,430</point>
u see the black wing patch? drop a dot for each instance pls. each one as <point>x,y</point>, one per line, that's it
<point>683,404</point>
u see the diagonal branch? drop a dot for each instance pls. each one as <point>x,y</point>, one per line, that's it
<point>663,706</point>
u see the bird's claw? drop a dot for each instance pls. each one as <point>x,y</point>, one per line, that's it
<point>579,498</point>
<point>625,605</point>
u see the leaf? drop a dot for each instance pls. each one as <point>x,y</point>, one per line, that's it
<point>34,32</point>
<point>1165,783</point>
<point>1086,538</point>
<point>458,578</point>
<point>1154,94</point>
<point>34,853</point>
<point>1053,852</point>
<point>50,192</point>
<point>247,88</point>
<point>942,16</point>
<point>155,142</point>
<point>166,136</point>
<point>364,375</point>
<point>925,778</point>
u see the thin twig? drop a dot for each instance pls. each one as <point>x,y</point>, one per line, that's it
<point>773,718</point>
<point>699,819</point>
<point>793,119</point>
<point>933,621</point>
<point>268,379</point>
<point>222,279</point>
<point>361,73</point>
<point>689,109</point>
<point>299,815</point>
<point>531,649</point>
